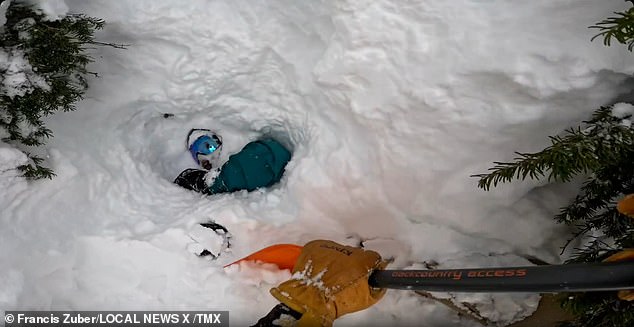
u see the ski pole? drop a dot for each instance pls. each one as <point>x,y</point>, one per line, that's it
<point>551,278</point>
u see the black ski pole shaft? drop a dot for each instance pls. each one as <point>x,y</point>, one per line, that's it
<point>538,279</point>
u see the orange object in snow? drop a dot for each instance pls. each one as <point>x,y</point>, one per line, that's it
<point>626,205</point>
<point>282,255</point>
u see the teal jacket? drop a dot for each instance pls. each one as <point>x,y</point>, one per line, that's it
<point>259,164</point>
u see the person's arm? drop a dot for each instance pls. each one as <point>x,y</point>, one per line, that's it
<point>329,280</point>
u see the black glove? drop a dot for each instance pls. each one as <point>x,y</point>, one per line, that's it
<point>281,315</point>
<point>193,179</point>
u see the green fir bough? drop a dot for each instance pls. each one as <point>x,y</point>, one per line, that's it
<point>619,27</point>
<point>603,150</point>
<point>43,72</point>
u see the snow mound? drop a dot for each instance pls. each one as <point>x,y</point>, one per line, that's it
<point>18,77</point>
<point>52,9</point>
<point>3,13</point>
<point>622,110</point>
<point>11,180</point>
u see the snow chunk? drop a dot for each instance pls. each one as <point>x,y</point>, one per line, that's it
<point>11,181</point>
<point>622,109</point>
<point>305,278</point>
<point>214,241</point>
<point>10,158</point>
<point>285,320</point>
<point>3,12</point>
<point>18,77</point>
<point>52,9</point>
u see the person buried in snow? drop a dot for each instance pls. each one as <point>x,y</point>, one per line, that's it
<point>259,164</point>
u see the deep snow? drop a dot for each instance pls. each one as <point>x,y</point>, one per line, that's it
<point>389,106</point>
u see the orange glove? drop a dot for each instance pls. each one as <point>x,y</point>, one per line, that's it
<point>626,207</point>
<point>330,280</point>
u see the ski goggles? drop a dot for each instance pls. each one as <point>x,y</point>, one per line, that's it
<point>204,146</point>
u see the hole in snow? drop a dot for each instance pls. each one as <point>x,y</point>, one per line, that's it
<point>157,135</point>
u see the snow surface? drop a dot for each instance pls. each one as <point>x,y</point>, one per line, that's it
<point>622,110</point>
<point>389,106</point>
<point>18,77</point>
<point>52,9</point>
<point>4,5</point>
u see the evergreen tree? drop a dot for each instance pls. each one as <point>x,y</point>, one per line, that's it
<point>602,150</point>
<point>620,27</point>
<point>43,68</point>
